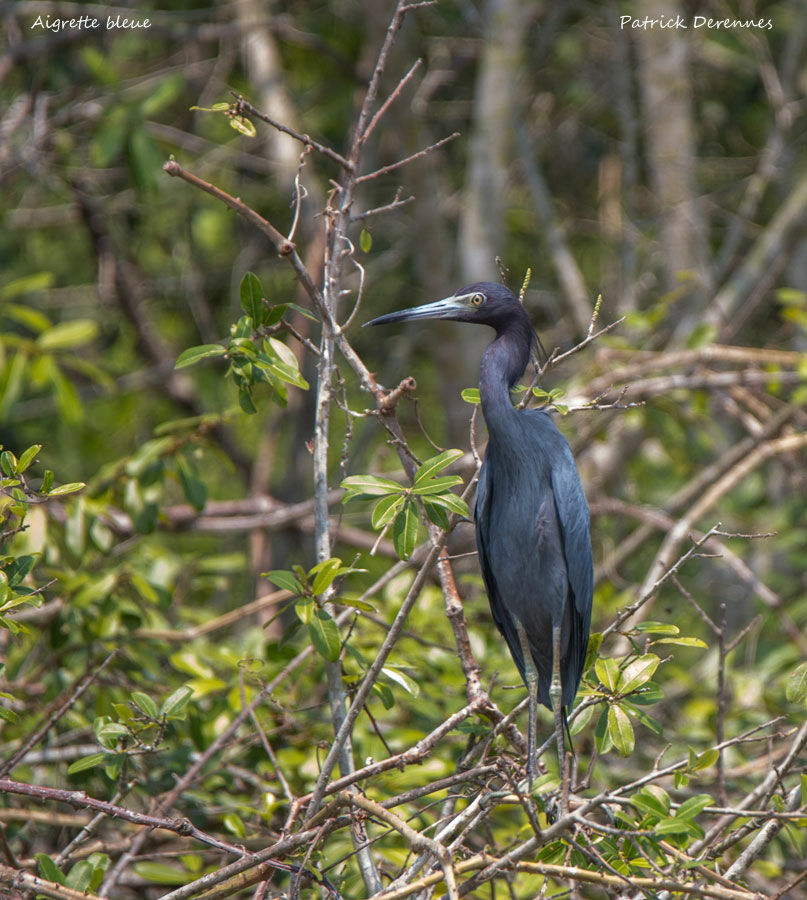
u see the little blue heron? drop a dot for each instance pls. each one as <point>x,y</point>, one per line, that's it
<point>532,519</point>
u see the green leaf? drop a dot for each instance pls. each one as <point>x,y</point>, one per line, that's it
<point>8,463</point>
<point>305,610</point>
<point>607,670</point>
<point>282,362</point>
<point>432,486</point>
<point>194,354</point>
<point>649,804</point>
<point>704,760</point>
<point>243,125</point>
<point>437,514</point>
<point>672,825</point>
<point>386,509</point>
<point>636,673</point>
<point>365,240</point>
<point>364,486</point>
<point>86,762</point>
<point>403,680</point>
<point>657,628</point>
<point>146,704</point>
<point>594,642</point>
<point>80,876</point>
<point>28,284</point>
<point>48,868</point>
<point>602,737</point>
<point>436,464</point>
<point>284,579</point>
<point>111,731</point>
<point>471,395</point>
<point>246,402</point>
<point>234,824</point>
<point>176,702</point>
<point>63,489</point>
<point>682,641</point>
<point>192,485</point>
<point>161,873</point>
<point>354,603</point>
<point>216,107</point>
<point>324,573</point>
<point>694,806</point>
<point>28,457</point>
<point>405,530</point>
<point>451,502</point>
<point>68,335</point>
<point>620,730</point>
<point>325,635</point>
<point>252,298</point>
<point>796,688</point>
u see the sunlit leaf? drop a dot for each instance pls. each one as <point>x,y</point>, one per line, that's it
<point>364,486</point>
<point>68,335</point>
<point>325,635</point>
<point>161,873</point>
<point>607,670</point>
<point>796,687</point>
<point>636,673</point>
<point>194,354</point>
<point>386,509</point>
<point>324,574</point>
<point>620,730</point>
<point>252,297</point>
<point>405,530</point>
<point>48,868</point>
<point>86,762</point>
<point>146,704</point>
<point>694,806</point>
<point>176,702</point>
<point>242,124</point>
<point>284,579</point>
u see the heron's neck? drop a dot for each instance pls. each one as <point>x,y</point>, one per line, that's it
<point>502,363</point>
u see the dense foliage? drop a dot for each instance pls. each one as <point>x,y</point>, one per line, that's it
<point>246,647</point>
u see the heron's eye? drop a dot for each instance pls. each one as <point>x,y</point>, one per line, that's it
<point>478,299</point>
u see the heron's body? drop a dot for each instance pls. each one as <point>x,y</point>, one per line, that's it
<point>532,532</point>
<point>532,519</point>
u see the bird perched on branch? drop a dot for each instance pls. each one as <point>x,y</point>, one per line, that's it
<point>532,519</point>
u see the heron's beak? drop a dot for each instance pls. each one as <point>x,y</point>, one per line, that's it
<point>449,308</point>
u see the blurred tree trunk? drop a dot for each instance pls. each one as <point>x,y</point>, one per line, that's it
<point>491,142</point>
<point>265,72</point>
<point>664,60</point>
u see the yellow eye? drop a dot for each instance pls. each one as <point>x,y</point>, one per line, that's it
<point>478,299</point>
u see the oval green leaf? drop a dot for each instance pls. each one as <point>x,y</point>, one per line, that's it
<point>637,672</point>
<point>620,730</point>
<point>436,464</point>
<point>405,530</point>
<point>796,688</point>
<point>325,635</point>
<point>194,354</point>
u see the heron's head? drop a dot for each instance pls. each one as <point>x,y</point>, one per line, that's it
<point>485,302</point>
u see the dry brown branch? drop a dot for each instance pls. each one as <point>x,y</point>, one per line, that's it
<point>711,496</point>
<point>18,880</point>
<point>244,107</point>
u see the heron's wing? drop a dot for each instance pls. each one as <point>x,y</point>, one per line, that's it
<point>573,515</point>
<point>501,616</point>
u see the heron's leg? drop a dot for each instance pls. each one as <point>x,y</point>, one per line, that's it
<point>556,696</point>
<point>531,678</point>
